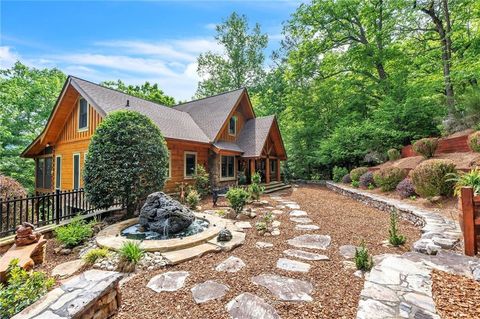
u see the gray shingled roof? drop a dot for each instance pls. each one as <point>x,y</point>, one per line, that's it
<point>254,134</point>
<point>172,123</point>
<point>210,113</point>
<point>227,146</point>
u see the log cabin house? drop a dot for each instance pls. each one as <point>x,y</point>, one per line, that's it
<point>220,132</point>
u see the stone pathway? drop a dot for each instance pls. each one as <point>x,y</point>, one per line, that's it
<point>169,281</point>
<point>306,227</point>
<point>300,254</point>
<point>298,213</point>
<point>209,290</point>
<point>285,288</point>
<point>231,264</point>
<point>292,265</point>
<point>301,220</point>
<point>248,305</point>
<point>311,241</point>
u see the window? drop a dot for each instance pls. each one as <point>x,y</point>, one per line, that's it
<point>232,125</point>
<point>228,167</point>
<point>76,171</point>
<point>44,173</point>
<point>58,172</point>
<point>169,165</point>
<point>190,164</point>
<point>82,114</point>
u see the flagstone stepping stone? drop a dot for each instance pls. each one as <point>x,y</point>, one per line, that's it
<point>301,220</point>
<point>311,241</point>
<point>280,206</point>
<point>269,207</point>
<point>298,213</point>
<point>347,251</point>
<point>285,288</point>
<point>293,206</point>
<point>231,264</point>
<point>262,244</point>
<point>306,255</point>
<point>69,268</point>
<point>292,265</point>
<point>249,306</point>
<point>277,212</point>
<point>243,225</point>
<point>307,227</point>
<point>168,281</point>
<point>209,290</point>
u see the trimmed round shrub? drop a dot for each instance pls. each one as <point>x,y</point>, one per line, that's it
<point>426,146</point>
<point>405,188</point>
<point>388,178</point>
<point>347,179</point>
<point>393,154</point>
<point>338,173</point>
<point>431,178</point>
<point>357,172</point>
<point>366,180</point>
<point>474,141</point>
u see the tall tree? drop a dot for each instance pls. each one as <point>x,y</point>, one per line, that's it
<point>240,64</point>
<point>27,96</point>
<point>147,91</point>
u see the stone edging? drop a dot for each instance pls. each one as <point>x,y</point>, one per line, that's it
<point>438,232</point>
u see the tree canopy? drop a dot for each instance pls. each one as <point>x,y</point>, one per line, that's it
<point>147,91</point>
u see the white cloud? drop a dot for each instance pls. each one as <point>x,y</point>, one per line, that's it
<point>210,26</point>
<point>7,57</point>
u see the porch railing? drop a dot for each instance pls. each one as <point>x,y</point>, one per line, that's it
<point>43,209</point>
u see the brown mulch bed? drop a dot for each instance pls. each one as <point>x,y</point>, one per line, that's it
<point>51,259</point>
<point>455,296</point>
<point>336,290</point>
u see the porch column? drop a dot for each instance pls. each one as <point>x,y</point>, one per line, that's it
<point>252,168</point>
<point>278,170</point>
<point>267,170</point>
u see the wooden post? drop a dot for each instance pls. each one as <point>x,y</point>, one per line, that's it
<point>267,170</point>
<point>468,209</point>
<point>252,169</point>
<point>278,171</point>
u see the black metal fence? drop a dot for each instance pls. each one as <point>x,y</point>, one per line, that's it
<point>43,209</point>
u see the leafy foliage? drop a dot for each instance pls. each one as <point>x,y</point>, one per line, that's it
<point>338,173</point>
<point>363,260</point>
<point>11,188</point>
<point>357,172</point>
<point>74,233</point>
<point>367,180</point>
<point>474,141</point>
<point>388,178</point>
<point>202,181</point>
<point>405,188</point>
<point>130,251</point>
<point>393,154</point>
<point>92,255</point>
<point>255,189</point>
<point>146,91</point>
<point>22,289</point>
<point>394,238</point>
<point>431,178</point>
<point>426,147</point>
<point>193,197</point>
<point>470,179</point>
<point>127,160</point>
<point>237,197</point>
<point>346,179</point>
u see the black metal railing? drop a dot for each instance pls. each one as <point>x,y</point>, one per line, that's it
<point>43,209</point>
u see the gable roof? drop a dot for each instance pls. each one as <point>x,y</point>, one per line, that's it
<point>210,113</point>
<point>254,134</point>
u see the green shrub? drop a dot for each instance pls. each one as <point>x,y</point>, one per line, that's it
<point>192,199</point>
<point>470,179</point>
<point>357,172</point>
<point>92,255</point>
<point>355,184</point>
<point>131,252</point>
<point>255,189</point>
<point>426,146</point>
<point>432,178</point>
<point>363,260</point>
<point>393,154</point>
<point>256,178</point>
<point>474,141</point>
<point>388,178</point>
<point>395,239</point>
<point>74,233</point>
<point>202,181</point>
<point>22,289</point>
<point>338,173</point>
<point>237,197</point>
<point>127,160</point>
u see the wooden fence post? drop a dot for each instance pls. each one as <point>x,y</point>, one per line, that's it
<point>468,208</point>
<point>57,206</point>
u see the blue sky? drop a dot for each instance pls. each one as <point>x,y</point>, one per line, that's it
<point>132,41</point>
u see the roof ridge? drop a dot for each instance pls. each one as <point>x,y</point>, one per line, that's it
<point>208,97</point>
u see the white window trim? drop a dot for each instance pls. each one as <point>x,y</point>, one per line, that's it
<point>59,186</point>
<point>73,171</point>
<point>235,130</point>
<point>169,176</point>
<point>83,129</point>
<point>223,179</point>
<point>185,164</point>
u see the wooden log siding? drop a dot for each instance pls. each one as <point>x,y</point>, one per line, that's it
<point>471,220</point>
<point>447,145</point>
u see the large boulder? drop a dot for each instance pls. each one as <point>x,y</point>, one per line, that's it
<point>164,215</point>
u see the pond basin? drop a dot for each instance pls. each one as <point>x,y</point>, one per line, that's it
<point>136,231</point>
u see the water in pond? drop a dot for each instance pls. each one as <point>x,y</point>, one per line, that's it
<point>136,232</point>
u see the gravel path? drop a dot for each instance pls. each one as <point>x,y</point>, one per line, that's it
<point>335,291</point>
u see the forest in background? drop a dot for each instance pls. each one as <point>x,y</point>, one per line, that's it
<point>352,79</point>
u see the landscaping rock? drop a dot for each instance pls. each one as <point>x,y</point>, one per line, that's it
<point>311,241</point>
<point>304,255</point>
<point>275,232</point>
<point>298,213</point>
<point>161,213</point>
<point>69,268</point>
<point>277,212</point>
<point>293,206</point>
<point>243,225</point>
<point>262,244</point>
<point>209,290</point>
<point>231,264</point>
<point>249,306</point>
<point>169,281</point>
<point>292,265</point>
<point>301,220</point>
<point>285,288</point>
<point>224,235</point>
<point>306,227</point>
<point>347,251</point>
